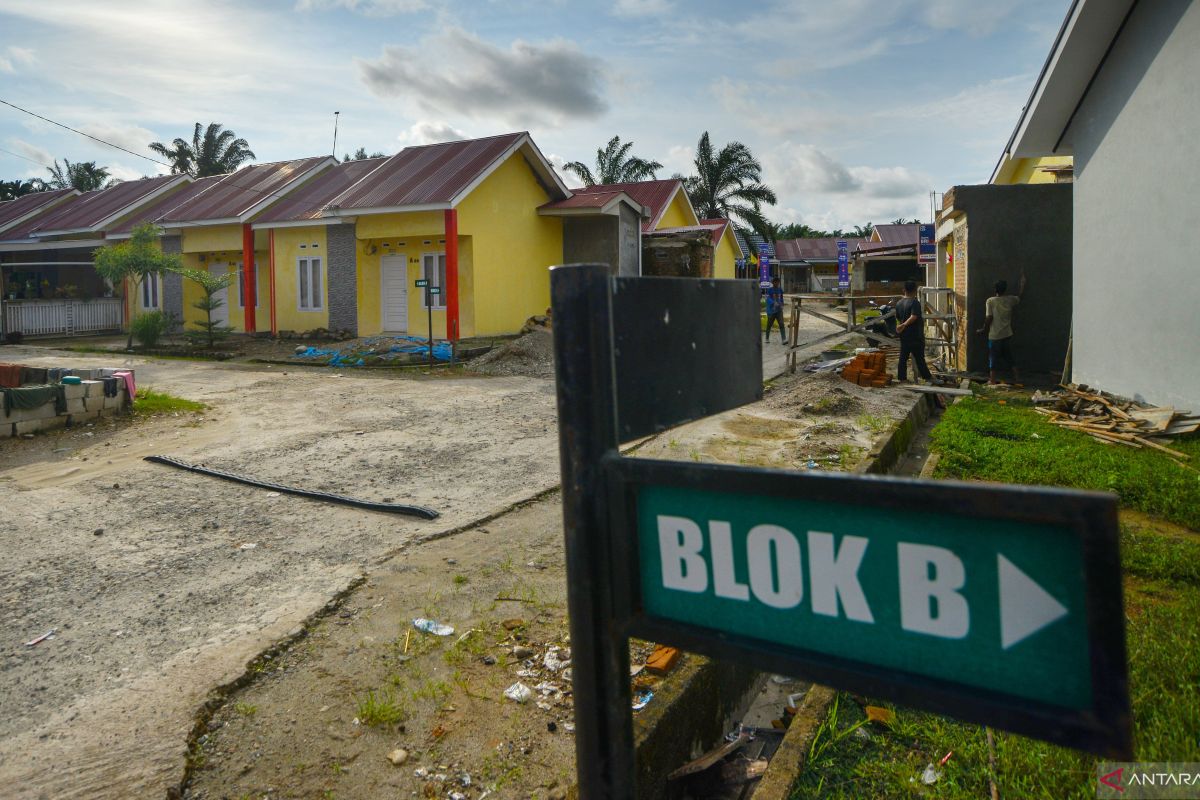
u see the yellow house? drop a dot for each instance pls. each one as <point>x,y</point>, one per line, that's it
<point>349,248</point>
<point>1044,169</point>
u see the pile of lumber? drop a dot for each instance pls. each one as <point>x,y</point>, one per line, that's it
<point>1122,422</point>
<point>868,369</point>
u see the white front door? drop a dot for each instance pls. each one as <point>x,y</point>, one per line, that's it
<point>220,315</point>
<point>393,292</point>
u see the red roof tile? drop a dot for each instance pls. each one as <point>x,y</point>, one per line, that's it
<point>310,199</point>
<point>91,209</point>
<point>432,174</point>
<point>714,227</point>
<point>13,210</point>
<point>592,200</point>
<point>236,194</point>
<point>655,194</point>
<point>152,211</point>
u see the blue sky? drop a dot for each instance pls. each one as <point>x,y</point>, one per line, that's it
<point>857,108</point>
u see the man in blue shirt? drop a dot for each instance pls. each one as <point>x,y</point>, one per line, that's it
<point>775,311</point>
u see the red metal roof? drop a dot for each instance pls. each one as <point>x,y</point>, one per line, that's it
<point>429,175</point>
<point>15,209</point>
<point>655,194</point>
<point>823,249</point>
<point>898,235</point>
<point>91,209</point>
<point>152,211</point>
<point>308,200</point>
<point>714,227</point>
<point>579,200</point>
<point>240,192</point>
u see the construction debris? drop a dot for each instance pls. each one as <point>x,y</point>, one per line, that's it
<point>1111,421</point>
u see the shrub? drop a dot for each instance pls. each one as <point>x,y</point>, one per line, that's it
<point>148,328</point>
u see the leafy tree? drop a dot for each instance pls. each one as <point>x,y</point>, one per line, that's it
<point>216,152</point>
<point>728,183</point>
<point>208,331</point>
<point>903,221</point>
<point>615,165</point>
<point>864,231</point>
<point>133,260</point>
<point>11,190</point>
<point>360,154</point>
<point>82,175</point>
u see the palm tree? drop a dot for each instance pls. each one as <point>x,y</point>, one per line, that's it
<point>864,231</point>
<point>361,155</point>
<point>216,152</point>
<point>82,175</point>
<point>615,165</point>
<point>11,190</point>
<point>729,184</point>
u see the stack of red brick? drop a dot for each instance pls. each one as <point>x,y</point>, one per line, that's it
<point>868,369</point>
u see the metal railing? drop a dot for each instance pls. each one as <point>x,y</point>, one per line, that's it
<point>63,317</point>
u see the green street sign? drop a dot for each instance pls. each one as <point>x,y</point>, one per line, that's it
<point>422,283</point>
<point>1004,601</point>
<point>435,290</point>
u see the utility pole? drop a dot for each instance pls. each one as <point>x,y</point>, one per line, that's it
<point>335,126</point>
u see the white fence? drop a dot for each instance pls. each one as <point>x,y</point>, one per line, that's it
<point>63,317</point>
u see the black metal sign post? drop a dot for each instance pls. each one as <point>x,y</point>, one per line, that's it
<point>999,605</point>
<point>430,292</point>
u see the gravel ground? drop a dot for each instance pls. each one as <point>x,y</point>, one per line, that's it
<point>170,600</point>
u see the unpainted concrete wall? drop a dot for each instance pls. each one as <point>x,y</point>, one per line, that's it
<point>1014,227</point>
<point>592,240</point>
<point>1134,138</point>
<point>631,242</point>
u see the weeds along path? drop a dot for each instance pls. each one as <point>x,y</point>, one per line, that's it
<point>161,584</point>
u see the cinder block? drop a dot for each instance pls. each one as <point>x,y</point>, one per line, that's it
<point>74,391</point>
<point>83,417</point>
<point>6,429</point>
<point>44,411</point>
<point>35,425</point>
<point>93,388</point>
<point>115,402</point>
<point>75,406</point>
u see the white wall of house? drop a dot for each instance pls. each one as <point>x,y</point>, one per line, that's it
<point>1136,328</point>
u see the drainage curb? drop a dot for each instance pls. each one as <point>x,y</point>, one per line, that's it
<point>789,760</point>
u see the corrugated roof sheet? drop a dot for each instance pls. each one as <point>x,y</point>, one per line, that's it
<point>90,209</point>
<point>307,201</point>
<point>152,211</point>
<point>15,209</point>
<point>714,228</point>
<point>655,194</point>
<point>590,200</point>
<point>236,194</point>
<point>823,249</point>
<point>427,175</point>
<point>750,243</point>
<point>898,234</point>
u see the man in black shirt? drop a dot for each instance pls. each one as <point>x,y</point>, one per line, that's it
<point>911,327</point>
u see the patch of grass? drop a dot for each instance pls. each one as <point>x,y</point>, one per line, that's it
<point>245,709</point>
<point>435,690</point>
<point>460,580</point>
<point>381,710</point>
<point>149,401</point>
<point>980,439</point>
<point>872,423</point>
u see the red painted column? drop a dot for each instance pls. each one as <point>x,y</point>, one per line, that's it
<point>271,260</point>
<point>248,287</point>
<point>451,287</point>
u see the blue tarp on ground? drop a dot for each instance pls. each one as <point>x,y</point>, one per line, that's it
<point>384,347</point>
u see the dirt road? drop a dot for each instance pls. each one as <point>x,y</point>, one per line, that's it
<point>162,584</point>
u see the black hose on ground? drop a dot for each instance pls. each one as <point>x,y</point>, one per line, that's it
<point>394,508</point>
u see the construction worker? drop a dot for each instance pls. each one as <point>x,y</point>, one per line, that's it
<point>775,311</point>
<point>998,327</point>
<point>910,326</point>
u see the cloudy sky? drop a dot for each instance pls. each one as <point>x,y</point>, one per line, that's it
<point>856,108</point>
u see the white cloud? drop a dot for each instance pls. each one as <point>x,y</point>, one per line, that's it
<point>680,158</point>
<point>429,132</point>
<point>371,8</point>
<point>14,58</point>
<point>564,174</point>
<point>32,151</point>
<point>131,137</point>
<point>527,84</point>
<point>642,8</point>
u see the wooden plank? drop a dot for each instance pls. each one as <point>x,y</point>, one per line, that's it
<point>711,757</point>
<point>1159,419</point>
<point>1157,446</point>
<point>946,390</point>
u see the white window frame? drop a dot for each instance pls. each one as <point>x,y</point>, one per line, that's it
<point>304,279</point>
<point>438,279</point>
<point>149,290</point>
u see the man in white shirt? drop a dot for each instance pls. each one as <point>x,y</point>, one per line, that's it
<point>998,327</point>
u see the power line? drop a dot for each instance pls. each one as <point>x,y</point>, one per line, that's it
<point>81,133</point>
<point>27,158</point>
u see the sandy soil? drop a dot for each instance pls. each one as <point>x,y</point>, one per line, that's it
<point>165,603</point>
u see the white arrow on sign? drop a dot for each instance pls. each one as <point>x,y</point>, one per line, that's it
<point>1025,607</point>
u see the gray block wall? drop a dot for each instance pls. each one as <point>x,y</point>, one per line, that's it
<point>1015,227</point>
<point>631,242</point>
<point>591,240</point>
<point>172,282</point>
<point>343,278</point>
